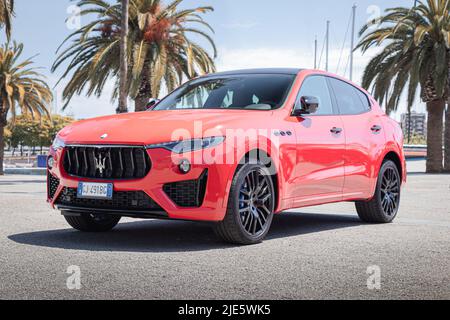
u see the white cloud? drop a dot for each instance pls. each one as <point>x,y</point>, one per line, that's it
<point>231,59</point>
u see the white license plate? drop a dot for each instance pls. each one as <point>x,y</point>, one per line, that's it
<point>95,190</point>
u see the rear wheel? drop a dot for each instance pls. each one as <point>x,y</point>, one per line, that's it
<point>250,206</point>
<point>383,208</point>
<point>93,223</point>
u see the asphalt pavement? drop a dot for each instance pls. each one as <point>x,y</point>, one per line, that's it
<point>313,253</point>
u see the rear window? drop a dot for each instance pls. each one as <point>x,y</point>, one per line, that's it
<point>364,99</point>
<point>254,91</point>
<point>350,100</point>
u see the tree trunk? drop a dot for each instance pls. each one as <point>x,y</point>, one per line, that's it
<point>434,140</point>
<point>447,139</point>
<point>140,103</point>
<point>123,89</point>
<point>145,90</point>
<point>3,123</point>
<point>2,146</point>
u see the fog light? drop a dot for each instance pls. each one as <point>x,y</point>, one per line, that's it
<point>184,166</point>
<point>50,162</point>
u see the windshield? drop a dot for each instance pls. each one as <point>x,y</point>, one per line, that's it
<point>242,92</point>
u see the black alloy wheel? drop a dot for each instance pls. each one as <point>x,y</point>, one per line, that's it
<point>390,192</point>
<point>255,202</point>
<point>251,206</point>
<point>384,206</point>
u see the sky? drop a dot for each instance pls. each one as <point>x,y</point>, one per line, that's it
<point>248,34</point>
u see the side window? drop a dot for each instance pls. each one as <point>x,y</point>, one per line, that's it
<point>349,99</point>
<point>316,86</point>
<point>364,99</point>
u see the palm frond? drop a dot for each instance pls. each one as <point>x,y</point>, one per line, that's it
<point>160,50</point>
<point>416,53</point>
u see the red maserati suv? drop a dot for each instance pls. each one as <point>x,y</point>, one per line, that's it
<point>234,149</point>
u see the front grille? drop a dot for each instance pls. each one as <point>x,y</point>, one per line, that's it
<point>52,185</point>
<point>127,201</point>
<point>107,162</point>
<point>188,194</point>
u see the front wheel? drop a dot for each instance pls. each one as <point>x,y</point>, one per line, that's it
<point>383,207</point>
<point>250,206</point>
<point>93,223</point>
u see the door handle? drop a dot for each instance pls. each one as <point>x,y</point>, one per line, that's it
<point>376,129</point>
<point>336,130</point>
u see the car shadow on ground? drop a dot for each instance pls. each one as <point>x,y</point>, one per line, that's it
<point>177,236</point>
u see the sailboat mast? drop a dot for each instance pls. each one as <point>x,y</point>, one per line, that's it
<point>327,45</point>
<point>352,42</point>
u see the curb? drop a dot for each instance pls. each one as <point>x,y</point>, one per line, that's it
<point>27,171</point>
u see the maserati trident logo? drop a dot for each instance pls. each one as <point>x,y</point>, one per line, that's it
<point>104,136</point>
<point>100,163</point>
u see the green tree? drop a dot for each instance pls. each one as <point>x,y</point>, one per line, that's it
<point>21,87</point>
<point>159,48</point>
<point>20,131</point>
<point>6,15</point>
<point>34,132</point>
<point>58,122</point>
<point>416,54</point>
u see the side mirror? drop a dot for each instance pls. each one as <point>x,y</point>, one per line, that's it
<point>152,103</point>
<point>309,105</point>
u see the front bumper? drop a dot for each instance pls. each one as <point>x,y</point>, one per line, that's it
<point>152,196</point>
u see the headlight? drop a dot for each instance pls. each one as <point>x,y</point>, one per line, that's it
<point>189,145</point>
<point>58,143</point>
<point>50,162</point>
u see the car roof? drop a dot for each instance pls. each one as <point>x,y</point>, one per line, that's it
<point>289,71</point>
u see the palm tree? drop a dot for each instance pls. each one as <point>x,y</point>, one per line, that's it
<point>416,53</point>
<point>159,49</point>
<point>6,15</point>
<point>20,86</point>
<point>123,93</point>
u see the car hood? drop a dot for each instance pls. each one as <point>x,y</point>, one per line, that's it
<point>145,128</point>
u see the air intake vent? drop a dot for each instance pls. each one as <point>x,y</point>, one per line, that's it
<point>107,162</point>
<point>188,194</point>
<point>52,185</point>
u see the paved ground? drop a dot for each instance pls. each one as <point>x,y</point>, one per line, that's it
<point>320,252</point>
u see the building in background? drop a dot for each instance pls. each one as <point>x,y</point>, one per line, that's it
<point>414,124</point>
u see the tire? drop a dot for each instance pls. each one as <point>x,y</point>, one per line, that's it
<point>383,207</point>
<point>93,223</point>
<point>250,212</point>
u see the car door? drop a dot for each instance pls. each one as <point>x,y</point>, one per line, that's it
<point>365,139</point>
<point>319,173</point>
